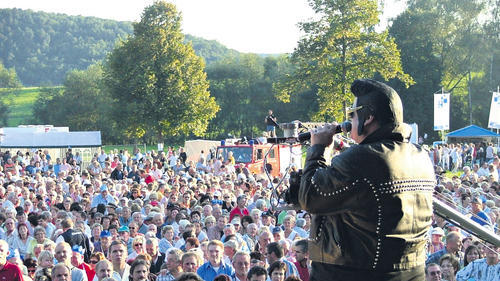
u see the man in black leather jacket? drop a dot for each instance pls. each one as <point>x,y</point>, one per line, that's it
<point>372,206</point>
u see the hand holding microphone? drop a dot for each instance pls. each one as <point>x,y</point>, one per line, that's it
<point>324,134</point>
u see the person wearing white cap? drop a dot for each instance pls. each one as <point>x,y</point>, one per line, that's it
<point>217,195</point>
<point>436,244</point>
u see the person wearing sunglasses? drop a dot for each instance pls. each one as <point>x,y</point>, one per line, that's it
<point>372,206</point>
<point>31,267</point>
<point>433,272</point>
<point>139,248</point>
<point>95,258</point>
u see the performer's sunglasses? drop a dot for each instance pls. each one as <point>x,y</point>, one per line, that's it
<point>350,111</point>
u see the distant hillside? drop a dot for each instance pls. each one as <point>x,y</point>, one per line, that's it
<point>42,47</point>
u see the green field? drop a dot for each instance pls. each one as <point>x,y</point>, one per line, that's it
<point>21,103</point>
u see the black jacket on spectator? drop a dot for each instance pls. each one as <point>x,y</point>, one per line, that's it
<point>76,237</point>
<point>117,175</point>
<point>156,266</point>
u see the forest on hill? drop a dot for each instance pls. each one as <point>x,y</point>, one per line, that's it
<point>43,47</point>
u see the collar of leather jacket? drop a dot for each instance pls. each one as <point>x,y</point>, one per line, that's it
<point>395,132</point>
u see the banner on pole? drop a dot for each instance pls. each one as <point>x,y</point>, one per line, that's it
<point>441,112</point>
<point>494,121</point>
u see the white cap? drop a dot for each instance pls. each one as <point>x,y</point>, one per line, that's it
<point>437,231</point>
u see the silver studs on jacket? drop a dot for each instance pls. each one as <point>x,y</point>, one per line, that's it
<point>383,188</point>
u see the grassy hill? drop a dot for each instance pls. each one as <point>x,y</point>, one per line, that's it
<point>21,103</point>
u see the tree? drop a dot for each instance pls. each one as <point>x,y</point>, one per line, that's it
<point>443,45</point>
<point>8,78</point>
<point>156,81</point>
<point>47,108</point>
<point>4,113</point>
<point>243,88</point>
<point>236,85</point>
<point>81,104</point>
<point>341,45</point>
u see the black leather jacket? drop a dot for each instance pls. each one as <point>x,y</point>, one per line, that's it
<point>372,207</point>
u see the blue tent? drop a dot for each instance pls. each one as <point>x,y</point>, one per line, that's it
<point>472,131</point>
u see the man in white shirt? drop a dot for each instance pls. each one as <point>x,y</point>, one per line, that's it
<point>483,171</point>
<point>489,153</point>
<point>102,158</point>
<point>118,256</point>
<point>445,160</point>
<point>172,159</point>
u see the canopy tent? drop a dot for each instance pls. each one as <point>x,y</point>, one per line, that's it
<point>472,133</point>
<point>55,141</point>
<point>51,140</point>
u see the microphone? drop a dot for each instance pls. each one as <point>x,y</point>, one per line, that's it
<point>344,127</point>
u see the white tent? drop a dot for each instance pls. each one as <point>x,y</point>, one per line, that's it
<point>51,140</point>
<point>56,140</point>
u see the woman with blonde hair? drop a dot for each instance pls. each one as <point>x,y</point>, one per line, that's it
<point>289,224</point>
<point>45,260</point>
<point>138,248</point>
<point>209,222</point>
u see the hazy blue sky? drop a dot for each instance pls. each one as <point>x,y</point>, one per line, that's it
<point>257,26</point>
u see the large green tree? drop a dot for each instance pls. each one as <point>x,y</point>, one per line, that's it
<point>339,46</point>
<point>156,81</point>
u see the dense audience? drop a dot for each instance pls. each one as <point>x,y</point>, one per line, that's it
<point>157,216</point>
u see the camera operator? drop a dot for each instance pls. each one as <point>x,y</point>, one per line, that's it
<point>372,206</point>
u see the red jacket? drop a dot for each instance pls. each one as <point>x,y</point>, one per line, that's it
<point>237,211</point>
<point>88,270</point>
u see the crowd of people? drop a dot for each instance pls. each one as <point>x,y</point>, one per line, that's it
<point>157,216</point>
<point>453,157</point>
<point>454,254</point>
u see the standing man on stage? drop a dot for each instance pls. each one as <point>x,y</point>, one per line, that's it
<point>372,207</point>
<point>271,124</point>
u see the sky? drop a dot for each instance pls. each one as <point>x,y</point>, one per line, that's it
<point>250,26</point>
